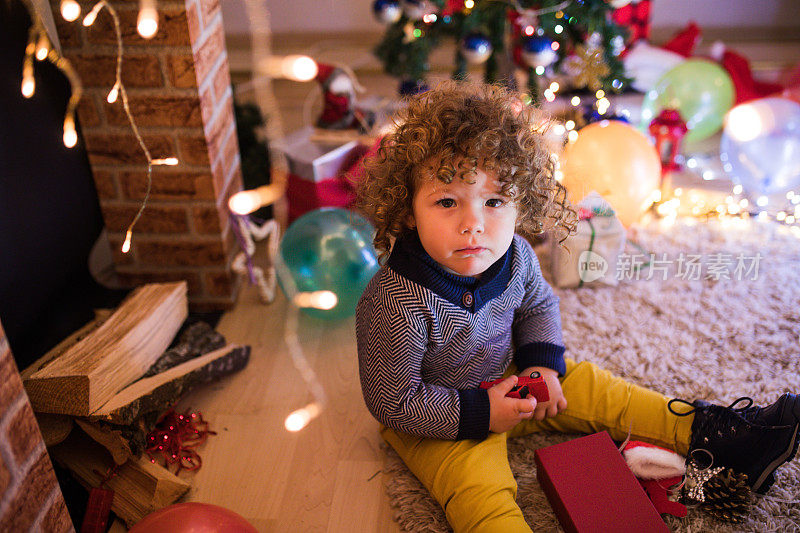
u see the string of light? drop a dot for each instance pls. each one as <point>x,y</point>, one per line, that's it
<point>147,25</point>
<point>40,48</point>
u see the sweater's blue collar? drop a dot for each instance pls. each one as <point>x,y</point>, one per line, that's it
<point>410,260</point>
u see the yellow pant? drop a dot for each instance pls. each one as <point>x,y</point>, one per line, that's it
<point>472,480</point>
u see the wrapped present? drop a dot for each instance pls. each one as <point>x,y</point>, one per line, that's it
<point>591,488</point>
<point>590,255</point>
<point>317,171</point>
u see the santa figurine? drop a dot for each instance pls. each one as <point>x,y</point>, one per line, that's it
<point>339,87</point>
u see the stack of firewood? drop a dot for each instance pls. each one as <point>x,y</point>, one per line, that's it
<point>113,379</point>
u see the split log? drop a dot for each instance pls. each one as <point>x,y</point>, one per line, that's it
<point>54,428</point>
<point>159,392</point>
<point>196,339</point>
<point>100,316</point>
<point>140,486</point>
<point>109,438</point>
<point>92,371</point>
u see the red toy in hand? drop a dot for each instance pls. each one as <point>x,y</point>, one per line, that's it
<point>534,385</point>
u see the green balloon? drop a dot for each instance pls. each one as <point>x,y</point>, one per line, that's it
<point>330,249</point>
<point>701,91</point>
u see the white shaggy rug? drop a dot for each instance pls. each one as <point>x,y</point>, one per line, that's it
<point>705,338</point>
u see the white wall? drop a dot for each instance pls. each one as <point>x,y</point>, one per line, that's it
<point>356,15</point>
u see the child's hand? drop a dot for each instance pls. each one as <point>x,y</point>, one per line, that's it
<point>557,402</point>
<point>505,413</point>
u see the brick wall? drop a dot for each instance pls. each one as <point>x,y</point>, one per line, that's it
<point>30,499</point>
<point>178,85</point>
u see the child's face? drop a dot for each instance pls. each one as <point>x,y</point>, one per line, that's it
<point>464,227</point>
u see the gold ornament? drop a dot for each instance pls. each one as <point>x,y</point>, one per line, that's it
<point>587,67</point>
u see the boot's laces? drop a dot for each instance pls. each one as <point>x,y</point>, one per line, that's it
<point>695,408</point>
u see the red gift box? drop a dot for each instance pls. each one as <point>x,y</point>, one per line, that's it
<point>590,487</point>
<point>318,171</point>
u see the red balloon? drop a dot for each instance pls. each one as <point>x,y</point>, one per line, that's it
<point>193,517</point>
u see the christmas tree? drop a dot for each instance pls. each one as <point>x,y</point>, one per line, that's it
<point>574,42</point>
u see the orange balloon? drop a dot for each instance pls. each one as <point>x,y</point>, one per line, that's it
<point>618,162</point>
<point>193,517</point>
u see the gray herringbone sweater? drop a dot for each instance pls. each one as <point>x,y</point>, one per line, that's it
<point>427,338</point>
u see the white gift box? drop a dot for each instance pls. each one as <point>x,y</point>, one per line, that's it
<point>590,255</point>
<point>316,161</point>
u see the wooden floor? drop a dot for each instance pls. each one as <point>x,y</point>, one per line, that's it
<point>326,477</point>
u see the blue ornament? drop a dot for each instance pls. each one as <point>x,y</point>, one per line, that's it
<point>330,249</point>
<point>409,87</point>
<point>538,51</point>
<point>387,11</point>
<point>476,48</point>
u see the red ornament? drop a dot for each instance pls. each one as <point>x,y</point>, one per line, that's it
<point>668,130</point>
<point>193,517</point>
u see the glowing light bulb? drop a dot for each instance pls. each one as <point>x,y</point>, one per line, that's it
<point>762,201</point>
<point>555,86</point>
<point>245,202</point>
<point>42,48</point>
<point>572,136</point>
<point>576,101</point>
<point>469,4</point>
<point>539,70</point>
<point>323,300</point>
<point>558,28</point>
<point>126,246</point>
<point>70,10</point>
<point>168,161</point>
<point>299,419</point>
<point>745,123</point>
<point>600,94</point>
<point>529,30</point>
<point>737,189</point>
<point>147,22</point>
<point>112,94</point>
<point>70,135</point>
<point>28,86</point>
<point>91,16</point>
<point>300,68</point>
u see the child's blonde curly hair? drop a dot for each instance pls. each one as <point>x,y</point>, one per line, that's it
<point>461,126</point>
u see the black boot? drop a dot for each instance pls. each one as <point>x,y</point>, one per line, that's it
<point>750,440</point>
<point>784,412</point>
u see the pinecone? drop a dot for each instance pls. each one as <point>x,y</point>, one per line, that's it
<point>727,496</point>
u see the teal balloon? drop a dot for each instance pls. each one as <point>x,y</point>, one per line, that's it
<point>330,249</point>
<point>701,90</point>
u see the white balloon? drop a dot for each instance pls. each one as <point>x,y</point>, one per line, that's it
<point>760,145</point>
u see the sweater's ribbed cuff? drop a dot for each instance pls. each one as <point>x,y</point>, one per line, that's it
<point>474,421</point>
<point>541,354</point>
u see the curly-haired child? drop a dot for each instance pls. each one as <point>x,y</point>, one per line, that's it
<point>461,300</point>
